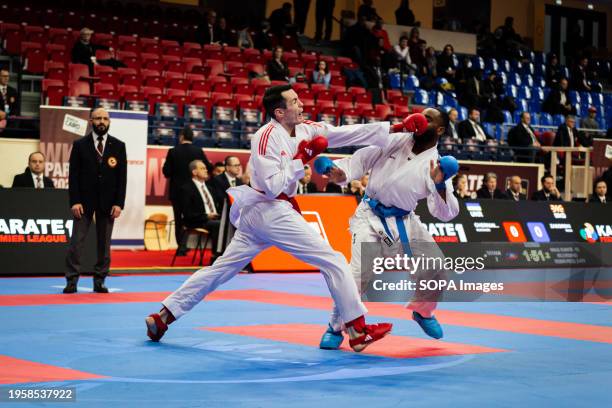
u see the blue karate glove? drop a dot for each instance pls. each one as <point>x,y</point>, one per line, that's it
<point>449,166</point>
<point>323,165</point>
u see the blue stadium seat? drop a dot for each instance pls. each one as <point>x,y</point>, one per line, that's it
<point>546,119</point>
<point>462,113</point>
<point>420,97</point>
<point>540,58</point>
<point>515,79</point>
<point>478,63</point>
<point>539,81</point>
<point>516,116</point>
<point>394,81</point>
<point>503,77</point>
<point>516,65</point>
<point>436,98</point>
<point>527,80</point>
<point>491,64</point>
<point>489,128</point>
<point>537,93</point>
<point>450,99</point>
<point>512,90</point>
<point>522,105</point>
<point>574,97</point>
<point>412,83</point>
<point>535,119</point>
<point>507,116</point>
<point>598,99</point>
<point>558,120</point>
<point>504,65</point>
<point>535,105</point>
<point>524,92</point>
<point>528,68</point>
<point>539,70</point>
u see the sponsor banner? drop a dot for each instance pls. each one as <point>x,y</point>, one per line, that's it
<point>33,238</point>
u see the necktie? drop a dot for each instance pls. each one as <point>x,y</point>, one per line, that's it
<point>233,183</point>
<point>479,133</point>
<point>207,200</point>
<point>4,93</point>
<point>571,136</point>
<point>100,148</point>
<point>38,182</point>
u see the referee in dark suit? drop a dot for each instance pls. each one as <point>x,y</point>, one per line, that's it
<point>176,168</point>
<point>97,183</point>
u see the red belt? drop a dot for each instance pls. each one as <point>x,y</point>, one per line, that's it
<point>285,197</point>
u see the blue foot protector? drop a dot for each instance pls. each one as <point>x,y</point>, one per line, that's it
<point>430,325</point>
<point>331,339</point>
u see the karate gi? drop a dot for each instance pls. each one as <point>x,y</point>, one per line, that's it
<point>398,178</point>
<point>262,220</point>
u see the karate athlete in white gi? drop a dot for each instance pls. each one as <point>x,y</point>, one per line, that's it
<point>265,215</point>
<point>402,173</point>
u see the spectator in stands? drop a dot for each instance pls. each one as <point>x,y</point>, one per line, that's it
<point>8,96</point>
<point>224,34</point>
<point>558,101</point>
<point>306,185</point>
<point>227,179</point>
<point>84,52</point>
<point>176,168</point>
<point>244,39</point>
<point>218,168</point>
<point>277,68</point>
<point>508,42</point>
<point>446,63</point>
<point>300,8</point>
<point>403,15</point>
<point>553,71</point>
<point>523,136</point>
<point>208,33</point>
<point>548,192</point>
<point>489,188</point>
<point>34,174</point>
<point>324,13</point>
<point>580,77</point>
<point>472,94</point>
<point>453,125</point>
<point>568,136</point>
<point>262,40</point>
<point>280,20</point>
<point>489,99</point>
<point>197,204</point>
<point>429,70</point>
<point>359,42</point>
<point>380,33</point>
<point>600,194</point>
<point>366,10</point>
<point>590,121</point>
<point>471,128</point>
<point>417,47</point>
<point>461,190</point>
<point>321,75</point>
<point>333,188</point>
<point>401,51</point>
<point>514,190</point>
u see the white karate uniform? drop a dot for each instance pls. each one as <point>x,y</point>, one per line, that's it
<point>398,178</point>
<point>262,220</point>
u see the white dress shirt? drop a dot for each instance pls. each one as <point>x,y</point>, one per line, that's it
<point>480,136</point>
<point>38,179</point>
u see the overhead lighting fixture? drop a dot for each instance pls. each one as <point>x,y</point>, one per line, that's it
<point>558,2</point>
<point>590,6</point>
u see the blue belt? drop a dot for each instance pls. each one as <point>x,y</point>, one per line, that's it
<point>382,211</point>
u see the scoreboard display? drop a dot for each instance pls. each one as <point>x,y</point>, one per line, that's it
<point>526,233</point>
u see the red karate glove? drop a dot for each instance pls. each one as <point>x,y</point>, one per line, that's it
<point>415,123</point>
<point>308,150</point>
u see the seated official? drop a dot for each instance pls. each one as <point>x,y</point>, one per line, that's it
<point>514,190</point>
<point>229,178</point>
<point>461,188</point>
<point>489,188</point>
<point>600,194</point>
<point>523,135</point>
<point>197,203</point>
<point>33,176</point>
<point>472,129</point>
<point>306,186</point>
<point>548,192</point>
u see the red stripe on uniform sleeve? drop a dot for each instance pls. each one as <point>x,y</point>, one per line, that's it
<point>263,142</point>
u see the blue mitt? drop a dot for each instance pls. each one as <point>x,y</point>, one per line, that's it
<point>323,164</point>
<point>449,166</point>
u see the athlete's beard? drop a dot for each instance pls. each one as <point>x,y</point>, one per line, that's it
<point>428,137</point>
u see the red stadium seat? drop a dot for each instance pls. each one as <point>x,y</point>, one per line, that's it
<point>55,95</point>
<point>78,88</point>
<point>216,67</point>
<point>98,69</point>
<point>155,81</point>
<point>131,79</point>
<point>343,105</point>
<point>150,90</point>
<point>363,98</point>
<point>242,97</point>
<point>35,61</point>
<point>350,117</point>
<point>190,63</point>
<point>169,75</point>
<point>103,55</point>
<point>357,90</point>
<point>199,94</point>
<point>109,78</point>
<point>237,80</point>
<point>46,83</point>
<point>12,42</point>
<point>194,77</point>
<point>58,73</point>
<point>382,110</point>
<point>77,71</point>
<point>318,87</point>
<point>244,89</point>
<point>125,89</point>
<point>223,87</point>
<point>178,83</point>
<point>103,87</point>
<point>217,96</point>
<point>325,96</point>
<point>200,85</point>
<point>370,115</point>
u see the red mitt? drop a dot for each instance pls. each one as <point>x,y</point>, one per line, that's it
<point>308,150</point>
<point>415,123</point>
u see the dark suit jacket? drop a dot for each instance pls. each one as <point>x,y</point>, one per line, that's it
<point>540,196</point>
<point>277,72</point>
<point>552,104</point>
<point>97,186</point>
<point>82,53</point>
<point>176,166</point>
<point>482,192</point>
<point>12,102</point>
<point>466,131</point>
<point>595,199</point>
<point>519,137</point>
<point>333,188</point>
<point>310,188</point>
<point>203,34</point>
<point>192,205</point>
<point>25,180</point>
<point>562,137</point>
<point>508,195</point>
<point>219,185</point>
